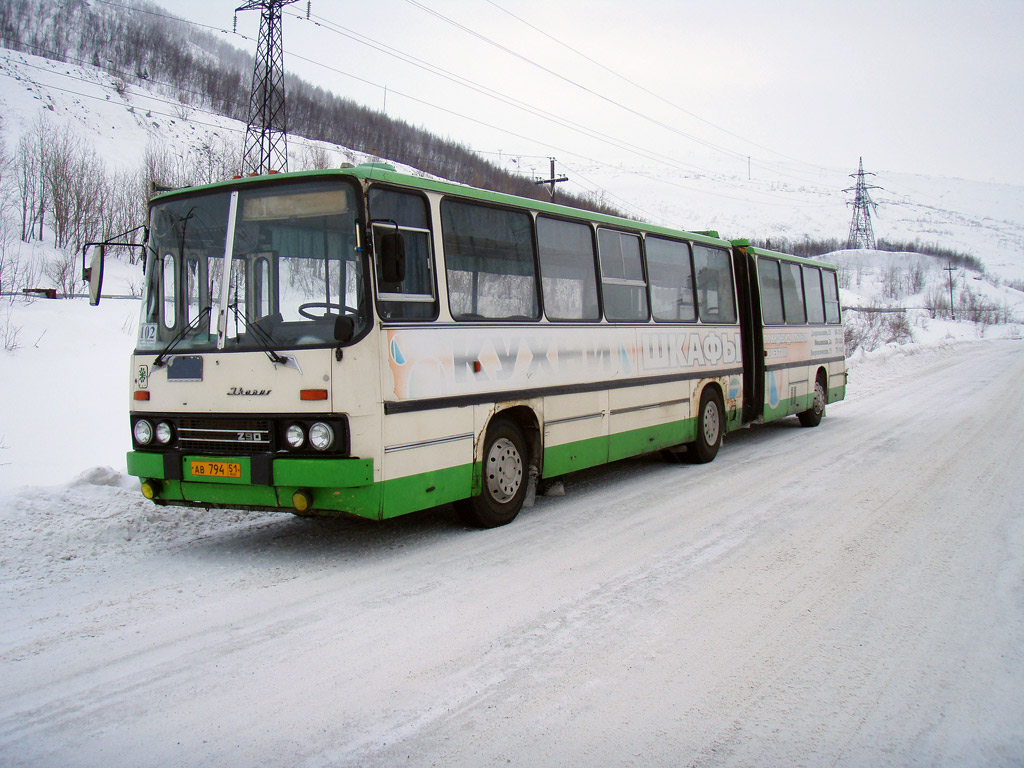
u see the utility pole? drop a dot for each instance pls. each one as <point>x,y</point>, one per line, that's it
<point>553,180</point>
<point>861,233</point>
<point>266,131</point>
<point>949,271</point>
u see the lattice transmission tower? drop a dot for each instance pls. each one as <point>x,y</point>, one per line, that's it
<point>266,131</point>
<point>861,233</point>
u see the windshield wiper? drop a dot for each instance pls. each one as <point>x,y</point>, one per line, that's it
<point>261,336</point>
<point>166,351</point>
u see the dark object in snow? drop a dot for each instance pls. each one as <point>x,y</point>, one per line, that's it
<point>44,293</point>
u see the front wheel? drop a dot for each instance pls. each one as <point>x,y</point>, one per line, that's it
<point>812,416</point>
<point>505,478</point>
<point>710,428</point>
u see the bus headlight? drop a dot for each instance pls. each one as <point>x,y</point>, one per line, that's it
<point>143,431</point>
<point>294,436</point>
<point>321,436</point>
<point>164,433</point>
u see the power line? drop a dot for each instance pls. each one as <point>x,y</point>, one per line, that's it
<point>568,80</point>
<point>650,156</point>
<point>151,97</point>
<point>107,70</point>
<point>590,132</point>
<point>639,86</point>
<point>562,150</point>
<point>642,115</point>
<point>647,154</point>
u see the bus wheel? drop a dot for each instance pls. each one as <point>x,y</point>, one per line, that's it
<point>812,416</point>
<point>710,428</point>
<point>505,478</point>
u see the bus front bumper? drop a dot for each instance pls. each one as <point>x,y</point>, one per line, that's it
<point>314,485</point>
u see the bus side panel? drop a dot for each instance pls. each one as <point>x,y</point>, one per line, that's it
<point>428,459</point>
<point>575,432</point>
<point>646,418</point>
<point>776,394</point>
<point>836,381</point>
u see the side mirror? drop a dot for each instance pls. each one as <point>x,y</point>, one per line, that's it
<point>93,274</point>
<point>392,257</point>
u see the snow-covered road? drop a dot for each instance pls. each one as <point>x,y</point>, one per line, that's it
<point>851,594</point>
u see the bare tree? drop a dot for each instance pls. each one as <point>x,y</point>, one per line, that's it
<point>62,269</point>
<point>316,157</point>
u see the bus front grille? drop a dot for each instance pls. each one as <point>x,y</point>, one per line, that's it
<point>226,436</point>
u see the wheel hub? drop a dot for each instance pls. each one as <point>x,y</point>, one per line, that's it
<point>504,471</point>
<point>711,424</point>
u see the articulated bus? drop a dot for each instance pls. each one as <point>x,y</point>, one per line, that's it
<point>362,341</point>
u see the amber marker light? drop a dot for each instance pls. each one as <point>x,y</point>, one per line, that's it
<point>302,500</point>
<point>313,394</point>
<point>140,395</point>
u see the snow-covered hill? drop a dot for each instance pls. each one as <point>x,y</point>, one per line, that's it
<point>56,340</point>
<point>770,202</point>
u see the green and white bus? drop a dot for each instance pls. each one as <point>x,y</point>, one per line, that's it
<point>362,341</point>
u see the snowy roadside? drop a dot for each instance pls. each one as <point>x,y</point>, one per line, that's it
<point>845,595</point>
<point>53,533</point>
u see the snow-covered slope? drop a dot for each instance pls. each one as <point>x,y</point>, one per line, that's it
<point>773,201</point>
<point>54,437</point>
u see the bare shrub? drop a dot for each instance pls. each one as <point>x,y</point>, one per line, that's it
<point>9,332</point>
<point>900,280</point>
<point>183,111</point>
<point>870,330</point>
<point>975,308</point>
<point>62,269</point>
<point>214,161</point>
<point>936,301</point>
<point>916,277</point>
<point>897,328</point>
<point>893,282</point>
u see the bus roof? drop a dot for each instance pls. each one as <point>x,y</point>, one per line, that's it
<point>386,173</point>
<point>780,255</point>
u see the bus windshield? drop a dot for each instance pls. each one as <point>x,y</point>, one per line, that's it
<point>296,269</point>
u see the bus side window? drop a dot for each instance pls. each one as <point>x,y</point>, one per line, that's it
<point>832,314</point>
<point>812,292</point>
<point>716,301</point>
<point>568,276</point>
<point>415,296</point>
<point>671,274</point>
<point>771,291</point>
<point>489,258</point>
<point>622,276</point>
<point>793,294</point>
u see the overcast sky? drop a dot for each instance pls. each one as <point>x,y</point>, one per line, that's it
<point>921,86</point>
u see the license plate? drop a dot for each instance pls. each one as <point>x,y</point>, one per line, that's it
<point>216,469</point>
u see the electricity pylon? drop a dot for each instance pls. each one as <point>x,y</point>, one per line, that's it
<point>266,131</point>
<point>861,233</point>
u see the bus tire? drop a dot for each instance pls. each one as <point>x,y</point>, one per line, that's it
<point>504,478</point>
<point>710,428</point>
<point>812,416</point>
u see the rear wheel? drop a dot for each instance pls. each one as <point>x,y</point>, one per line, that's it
<point>812,416</point>
<point>504,481</point>
<point>710,428</point>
